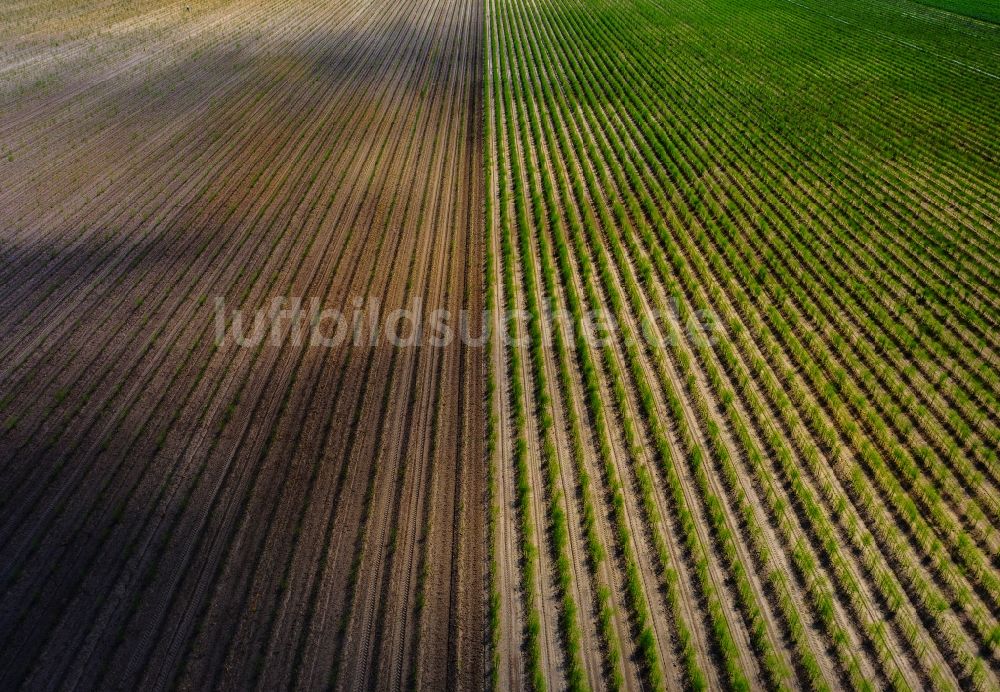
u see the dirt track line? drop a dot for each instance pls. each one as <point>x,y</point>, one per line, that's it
<point>413,654</point>
<point>434,636</point>
<point>468,612</point>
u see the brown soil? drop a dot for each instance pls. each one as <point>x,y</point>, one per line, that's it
<point>178,513</point>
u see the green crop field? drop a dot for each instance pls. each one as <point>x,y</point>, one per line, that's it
<point>805,495</point>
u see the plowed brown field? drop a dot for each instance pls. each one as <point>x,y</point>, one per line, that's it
<point>179,510</point>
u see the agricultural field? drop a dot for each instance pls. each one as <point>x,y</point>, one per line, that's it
<point>180,512</point>
<point>721,409</point>
<point>775,465</point>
